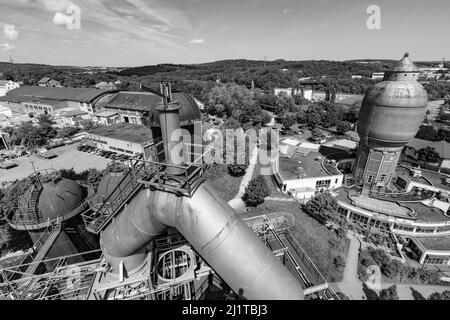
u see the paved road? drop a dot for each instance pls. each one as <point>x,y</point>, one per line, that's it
<point>68,157</point>
<point>350,284</point>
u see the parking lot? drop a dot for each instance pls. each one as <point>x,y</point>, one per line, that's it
<point>67,157</point>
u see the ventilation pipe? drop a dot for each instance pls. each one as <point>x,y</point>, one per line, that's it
<point>210,225</point>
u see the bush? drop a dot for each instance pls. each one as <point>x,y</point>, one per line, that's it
<point>343,127</point>
<point>237,170</point>
<point>323,206</point>
<point>255,192</point>
<point>389,293</point>
<point>445,295</point>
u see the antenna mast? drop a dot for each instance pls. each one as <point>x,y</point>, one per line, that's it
<point>15,70</point>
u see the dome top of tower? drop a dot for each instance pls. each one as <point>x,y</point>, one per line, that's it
<point>405,65</point>
<point>403,70</point>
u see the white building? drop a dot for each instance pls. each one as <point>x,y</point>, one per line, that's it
<point>306,93</point>
<point>378,75</point>
<point>125,138</point>
<point>7,85</point>
<point>306,173</point>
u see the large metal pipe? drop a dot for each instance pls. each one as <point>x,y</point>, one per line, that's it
<point>210,225</point>
<point>213,229</point>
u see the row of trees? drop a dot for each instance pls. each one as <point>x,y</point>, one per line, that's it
<point>29,135</point>
<point>236,104</point>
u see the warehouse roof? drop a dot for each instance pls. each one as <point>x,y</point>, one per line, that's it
<point>125,132</point>
<point>441,147</point>
<point>145,101</point>
<point>86,95</point>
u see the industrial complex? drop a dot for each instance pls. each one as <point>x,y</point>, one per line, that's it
<point>156,229</point>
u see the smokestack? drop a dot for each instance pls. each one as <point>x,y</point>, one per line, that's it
<point>169,118</point>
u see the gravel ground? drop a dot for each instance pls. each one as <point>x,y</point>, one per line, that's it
<point>68,157</point>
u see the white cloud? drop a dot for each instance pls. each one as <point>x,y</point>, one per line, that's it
<point>152,21</point>
<point>286,11</point>
<point>6,47</point>
<point>10,32</point>
<point>197,41</point>
<point>60,19</point>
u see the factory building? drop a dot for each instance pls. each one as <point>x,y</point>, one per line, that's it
<point>140,107</point>
<point>49,83</point>
<point>6,86</point>
<point>124,138</point>
<point>50,100</point>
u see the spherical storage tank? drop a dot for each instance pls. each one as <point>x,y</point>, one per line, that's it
<point>393,109</point>
<point>110,181</point>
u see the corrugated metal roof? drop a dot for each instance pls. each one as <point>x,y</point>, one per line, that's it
<point>86,95</point>
<point>125,132</point>
<point>147,102</point>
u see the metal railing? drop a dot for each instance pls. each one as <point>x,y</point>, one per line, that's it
<point>96,220</point>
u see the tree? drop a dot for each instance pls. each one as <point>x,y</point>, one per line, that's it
<point>343,127</point>
<point>445,295</point>
<point>428,154</point>
<point>255,192</point>
<point>289,120</point>
<point>284,103</point>
<point>229,100</point>
<point>252,114</point>
<point>87,124</point>
<point>67,132</point>
<point>314,116</point>
<point>317,134</point>
<point>323,205</point>
<point>237,170</point>
<point>427,133</point>
<point>389,293</point>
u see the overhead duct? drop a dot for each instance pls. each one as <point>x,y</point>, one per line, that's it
<point>211,226</point>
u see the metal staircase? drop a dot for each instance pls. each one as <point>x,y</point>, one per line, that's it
<point>42,247</point>
<point>99,217</point>
<point>31,210</point>
<point>145,174</point>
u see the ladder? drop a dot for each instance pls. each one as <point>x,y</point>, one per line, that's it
<point>54,231</point>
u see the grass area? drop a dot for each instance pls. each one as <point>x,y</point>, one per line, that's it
<point>226,185</point>
<point>325,248</point>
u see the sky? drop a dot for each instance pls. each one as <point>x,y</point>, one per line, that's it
<point>145,32</point>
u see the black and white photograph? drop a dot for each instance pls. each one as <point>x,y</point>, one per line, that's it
<point>224,154</point>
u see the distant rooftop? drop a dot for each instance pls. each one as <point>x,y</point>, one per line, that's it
<point>125,132</point>
<point>106,114</point>
<point>147,102</point>
<point>86,95</point>
<point>435,243</point>
<point>441,147</point>
<point>74,113</point>
<point>302,167</point>
<point>422,212</point>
